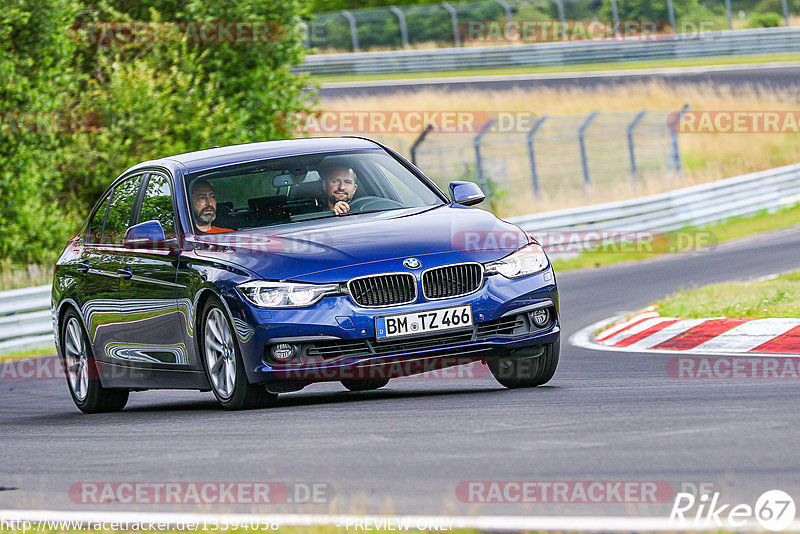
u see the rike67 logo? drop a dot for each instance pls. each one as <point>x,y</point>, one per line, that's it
<point>774,510</point>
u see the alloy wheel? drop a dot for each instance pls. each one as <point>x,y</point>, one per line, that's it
<point>220,353</point>
<point>77,359</point>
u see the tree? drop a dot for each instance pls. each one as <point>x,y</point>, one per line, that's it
<point>129,100</point>
<point>35,102</point>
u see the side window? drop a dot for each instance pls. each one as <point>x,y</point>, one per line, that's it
<point>157,204</point>
<point>98,219</point>
<point>119,212</point>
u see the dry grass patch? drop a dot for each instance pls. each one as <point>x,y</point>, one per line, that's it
<point>706,157</point>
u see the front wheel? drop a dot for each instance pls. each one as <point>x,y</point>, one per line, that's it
<point>365,385</point>
<point>223,364</point>
<point>80,367</point>
<point>525,371</point>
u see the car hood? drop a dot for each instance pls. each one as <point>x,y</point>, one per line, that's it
<point>336,249</point>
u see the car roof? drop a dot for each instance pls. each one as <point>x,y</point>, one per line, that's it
<point>229,155</point>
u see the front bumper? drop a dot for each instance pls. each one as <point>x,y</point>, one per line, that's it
<point>336,338</point>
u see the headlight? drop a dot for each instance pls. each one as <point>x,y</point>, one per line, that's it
<point>529,259</point>
<point>284,294</point>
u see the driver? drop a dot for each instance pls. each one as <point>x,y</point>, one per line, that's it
<point>339,185</point>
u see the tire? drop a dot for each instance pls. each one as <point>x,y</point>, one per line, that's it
<point>365,385</point>
<point>222,361</point>
<point>80,368</point>
<point>525,372</point>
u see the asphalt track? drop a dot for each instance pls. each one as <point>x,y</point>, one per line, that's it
<point>605,416</point>
<point>779,76</point>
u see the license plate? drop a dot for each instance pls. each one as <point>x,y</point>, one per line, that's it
<point>423,322</point>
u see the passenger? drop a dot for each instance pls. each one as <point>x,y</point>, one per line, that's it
<point>204,207</point>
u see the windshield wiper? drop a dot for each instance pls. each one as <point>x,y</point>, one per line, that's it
<point>367,211</point>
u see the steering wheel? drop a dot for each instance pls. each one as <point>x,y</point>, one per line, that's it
<point>368,203</point>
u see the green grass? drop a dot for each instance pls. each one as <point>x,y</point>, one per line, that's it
<point>688,239</point>
<point>777,298</point>
<point>689,62</point>
<point>34,353</point>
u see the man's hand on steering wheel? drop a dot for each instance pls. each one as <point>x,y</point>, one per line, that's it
<point>341,207</point>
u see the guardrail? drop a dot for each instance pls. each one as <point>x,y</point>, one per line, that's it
<point>690,206</point>
<point>723,43</point>
<point>25,321</point>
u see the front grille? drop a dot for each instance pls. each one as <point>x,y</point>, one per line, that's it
<point>452,280</point>
<point>383,289</point>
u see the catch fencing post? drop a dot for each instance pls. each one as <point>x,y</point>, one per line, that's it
<point>478,159</point>
<point>582,140</point>
<point>531,153</point>
<point>675,163</point>
<point>506,8</point>
<point>631,151</point>
<point>454,18</point>
<point>730,14</point>
<point>671,10</point>
<point>403,28</point>
<point>353,29</point>
<point>785,6</point>
<point>615,14</point>
<point>419,141</point>
<point>561,17</point>
<point>306,31</point>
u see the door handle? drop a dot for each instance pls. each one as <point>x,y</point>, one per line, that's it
<point>83,268</point>
<point>125,273</point>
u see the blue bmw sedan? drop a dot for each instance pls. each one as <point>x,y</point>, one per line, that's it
<point>258,269</point>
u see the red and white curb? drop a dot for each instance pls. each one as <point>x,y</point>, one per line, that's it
<point>648,331</point>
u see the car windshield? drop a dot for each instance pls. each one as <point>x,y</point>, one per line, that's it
<point>299,188</point>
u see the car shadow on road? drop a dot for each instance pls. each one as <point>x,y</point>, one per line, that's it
<point>285,402</point>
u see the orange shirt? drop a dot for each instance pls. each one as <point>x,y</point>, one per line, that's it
<point>217,230</point>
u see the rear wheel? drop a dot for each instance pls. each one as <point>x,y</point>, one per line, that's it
<point>222,360</point>
<point>80,367</point>
<point>365,385</point>
<point>524,371</point>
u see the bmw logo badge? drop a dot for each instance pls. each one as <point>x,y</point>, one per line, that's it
<point>412,263</point>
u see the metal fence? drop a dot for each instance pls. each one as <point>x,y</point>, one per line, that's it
<point>25,319</point>
<point>765,41</point>
<point>694,206</point>
<point>459,23</point>
<point>557,156</point>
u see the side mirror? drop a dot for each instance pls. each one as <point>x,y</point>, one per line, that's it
<point>466,193</point>
<point>146,234</point>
